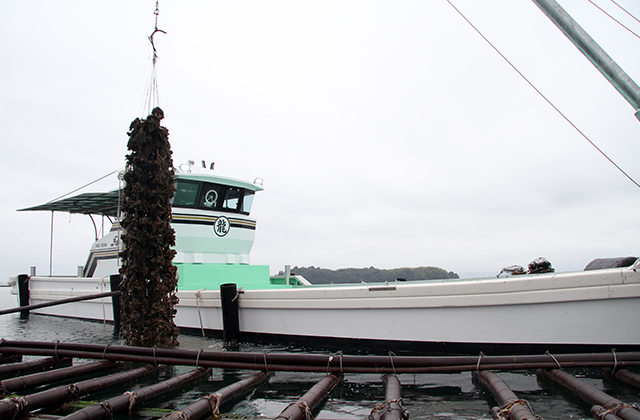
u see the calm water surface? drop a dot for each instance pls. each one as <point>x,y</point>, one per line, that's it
<point>432,396</point>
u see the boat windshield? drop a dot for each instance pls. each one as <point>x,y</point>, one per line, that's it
<point>211,196</point>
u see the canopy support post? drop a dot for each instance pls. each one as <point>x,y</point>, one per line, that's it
<point>51,247</point>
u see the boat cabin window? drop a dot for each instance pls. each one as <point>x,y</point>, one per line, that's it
<point>247,201</point>
<point>232,199</point>
<point>211,196</point>
<point>186,194</point>
<point>207,195</point>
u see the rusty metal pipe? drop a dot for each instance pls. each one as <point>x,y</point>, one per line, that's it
<point>565,360</point>
<point>623,375</point>
<point>15,369</point>
<point>302,408</point>
<point>323,363</point>
<point>59,302</point>
<point>589,394</point>
<point>207,407</point>
<point>123,403</point>
<point>504,396</point>
<point>360,367</point>
<point>16,407</point>
<point>392,408</point>
<point>10,358</point>
<point>36,379</point>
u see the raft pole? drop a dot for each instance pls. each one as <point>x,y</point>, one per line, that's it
<point>131,364</point>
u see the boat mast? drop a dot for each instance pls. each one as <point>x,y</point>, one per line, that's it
<point>603,62</point>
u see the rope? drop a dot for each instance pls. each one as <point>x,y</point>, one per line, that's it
<point>381,409</point>
<point>615,360</point>
<point>198,358</point>
<point>614,408</point>
<point>479,360</point>
<point>132,400</point>
<point>214,402</point>
<point>198,297</point>
<point>107,408</point>
<point>105,351</point>
<point>182,415</point>
<point>74,392</point>
<point>331,360</point>
<point>391,355</point>
<point>554,359</point>
<point>505,411</point>
<point>266,367</point>
<point>18,405</point>
<point>304,408</point>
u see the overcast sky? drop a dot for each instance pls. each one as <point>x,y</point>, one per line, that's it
<point>388,133</point>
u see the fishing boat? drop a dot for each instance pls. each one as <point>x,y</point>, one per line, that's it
<point>220,292</point>
<point>214,236</point>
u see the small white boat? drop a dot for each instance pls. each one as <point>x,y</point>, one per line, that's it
<point>581,311</point>
<point>586,310</point>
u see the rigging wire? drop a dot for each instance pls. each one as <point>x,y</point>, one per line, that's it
<point>625,10</point>
<point>52,212</point>
<point>614,19</point>
<point>152,98</point>
<point>543,96</point>
<point>84,186</point>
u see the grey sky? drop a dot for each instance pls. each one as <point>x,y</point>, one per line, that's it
<point>389,134</point>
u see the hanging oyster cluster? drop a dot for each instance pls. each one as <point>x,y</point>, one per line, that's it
<point>149,277</point>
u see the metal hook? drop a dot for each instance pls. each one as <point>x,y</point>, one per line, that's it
<point>155,30</point>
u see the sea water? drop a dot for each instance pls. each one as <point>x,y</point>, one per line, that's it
<point>425,396</point>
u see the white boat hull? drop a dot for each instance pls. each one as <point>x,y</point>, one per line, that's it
<point>591,308</point>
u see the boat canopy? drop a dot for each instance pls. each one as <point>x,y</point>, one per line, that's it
<point>104,204</point>
<point>231,190</point>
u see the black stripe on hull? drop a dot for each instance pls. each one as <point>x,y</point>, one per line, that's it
<point>236,223</point>
<point>382,347</point>
<point>205,222</point>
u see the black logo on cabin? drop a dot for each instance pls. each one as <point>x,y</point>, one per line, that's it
<point>221,226</point>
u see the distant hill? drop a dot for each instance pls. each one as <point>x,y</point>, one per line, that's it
<point>317,275</point>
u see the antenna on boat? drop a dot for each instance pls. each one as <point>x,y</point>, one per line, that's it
<point>152,99</point>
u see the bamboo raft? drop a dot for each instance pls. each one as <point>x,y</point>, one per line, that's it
<point>40,386</point>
